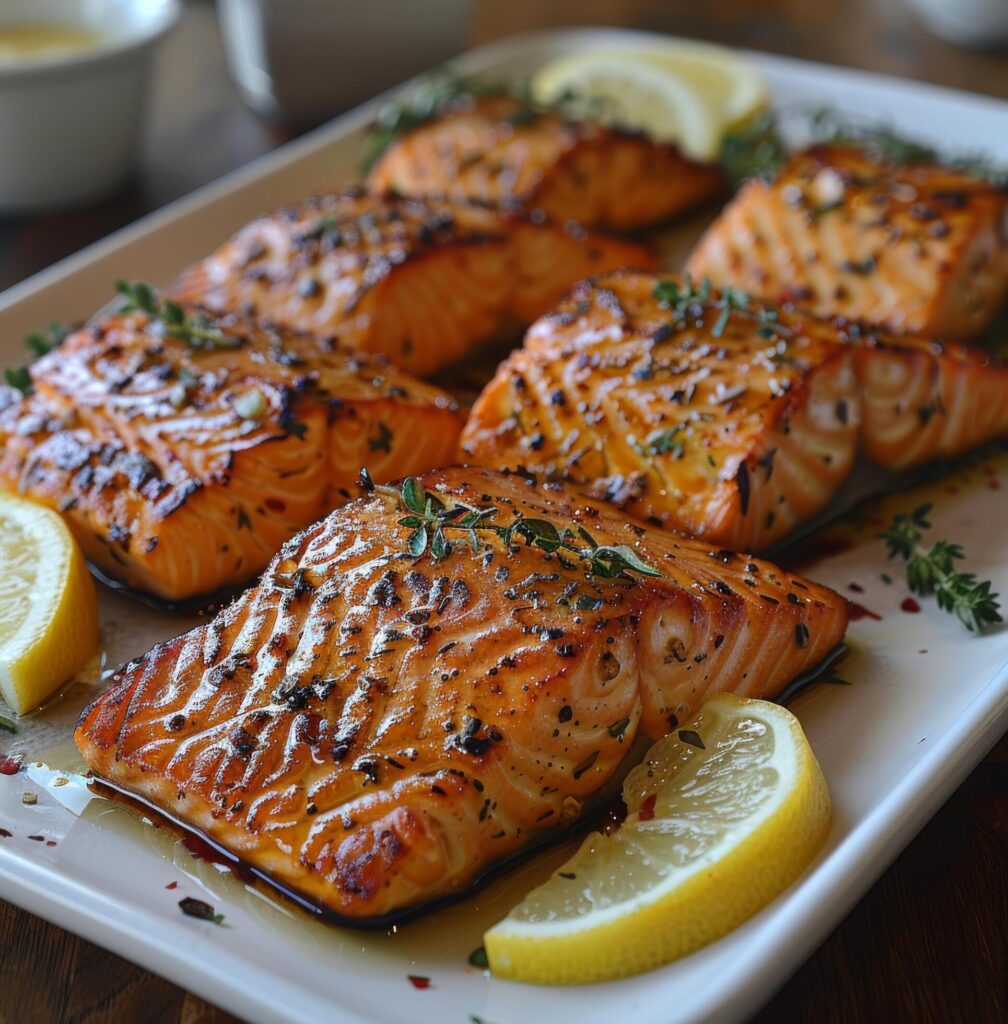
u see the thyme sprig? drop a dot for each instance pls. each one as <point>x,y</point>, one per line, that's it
<point>198,331</point>
<point>39,343</point>
<point>932,571</point>
<point>430,521</point>
<point>754,149</point>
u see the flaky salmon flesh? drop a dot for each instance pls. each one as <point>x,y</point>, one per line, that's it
<point>499,151</point>
<point>915,248</point>
<point>673,402</point>
<point>708,412</point>
<point>182,469</point>
<point>379,720</point>
<point>422,283</point>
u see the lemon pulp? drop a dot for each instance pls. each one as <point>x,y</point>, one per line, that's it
<point>722,816</point>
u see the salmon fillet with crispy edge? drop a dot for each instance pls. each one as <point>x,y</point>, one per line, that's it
<point>916,248</point>
<point>495,150</point>
<point>729,424</point>
<point>422,283</point>
<point>182,470</point>
<point>373,729</point>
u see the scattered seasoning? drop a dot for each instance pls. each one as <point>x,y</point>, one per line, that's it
<point>419,980</point>
<point>691,737</point>
<point>478,958</point>
<point>886,579</point>
<point>580,769</point>
<point>382,441</point>
<point>192,907</point>
<point>617,729</point>
<point>29,798</point>
<point>250,405</point>
<point>7,724</point>
<point>172,885</point>
<point>5,834</point>
<point>908,604</point>
<point>801,634</point>
<point>646,812</point>
<point>37,839</point>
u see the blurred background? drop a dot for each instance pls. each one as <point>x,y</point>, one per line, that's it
<point>230,81</point>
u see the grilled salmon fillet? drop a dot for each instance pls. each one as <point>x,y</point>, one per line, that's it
<point>924,400</point>
<point>422,283</point>
<point>731,424</point>
<point>497,150</point>
<point>181,470</point>
<point>915,248</point>
<point>373,729</point>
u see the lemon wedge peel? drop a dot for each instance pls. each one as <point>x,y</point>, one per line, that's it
<point>48,605</point>
<point>687,93</point>
<point>694,903</point>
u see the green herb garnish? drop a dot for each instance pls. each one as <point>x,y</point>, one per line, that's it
<point>478,958</point>
<point>197,331</point>
<point>20,378</point>
<point>7,724</point>
<point>39,343</point>
<point>754,149</point>
<point>932,571</point>
<point>430,520</point>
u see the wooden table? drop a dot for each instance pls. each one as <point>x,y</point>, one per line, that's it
<point>930,941</point>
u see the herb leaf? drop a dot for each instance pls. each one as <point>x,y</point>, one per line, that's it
<point>932,571</point>
<point>429,518</point>
<point>7,724</point>
<point>198,331</point>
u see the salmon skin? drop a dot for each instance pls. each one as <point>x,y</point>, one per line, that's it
<point>422,283</point>
<point>181,470</point>
<point>498,150</point>
<point>916,248</point>
<point>372,728</point>
<point>689,407</point>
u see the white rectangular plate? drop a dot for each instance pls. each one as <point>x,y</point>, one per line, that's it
<point>927,700</point>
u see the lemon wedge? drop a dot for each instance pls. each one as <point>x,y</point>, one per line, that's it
<point>48,607</point>
<point>722,816</point>
<point>687,93</point>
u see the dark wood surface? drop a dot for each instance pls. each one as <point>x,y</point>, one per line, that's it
<point>930,941</point>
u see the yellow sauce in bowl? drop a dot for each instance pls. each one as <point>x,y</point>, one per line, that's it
<point>29,42</point>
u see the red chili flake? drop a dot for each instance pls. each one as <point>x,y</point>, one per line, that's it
<point>172,885</point>
<point>910,605</point>
<point>275,505</point>
<point>50,842</point>
<point>9,766</point>
<point>418,980</point>
<point>646,812</point>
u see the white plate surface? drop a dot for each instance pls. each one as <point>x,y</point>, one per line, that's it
<point>926,701</point>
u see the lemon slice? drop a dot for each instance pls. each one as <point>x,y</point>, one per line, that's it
<point>48,607</point>
<point>688,93</point>
<point>713,833</point>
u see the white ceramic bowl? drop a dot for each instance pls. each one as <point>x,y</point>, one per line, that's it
<point>70,122</point>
